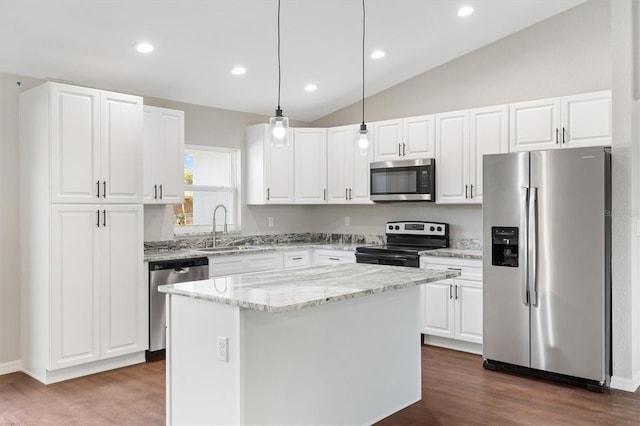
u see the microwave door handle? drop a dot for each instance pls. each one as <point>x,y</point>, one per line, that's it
<point>523,242</point>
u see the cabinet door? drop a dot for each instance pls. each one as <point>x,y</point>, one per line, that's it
<point>339,154</point>
<point>468,311</point>
<point>388,139</point>
<point>452,157</point>
<point>121,147</point>
<point>359,179</point>
<point>124,294</point>
<point>586,119</point>
<point>151,155</point>
<point>279,172</point>
<point>75,143</point>
<point>331,257</point>
<point>419,137</point>
<point>273,261</point>
<point>488,135</point>
<point>171,181</point>
<point>310,166</point>
<point>75,286</point>
<point>534,125</point>
<point>438,309</point>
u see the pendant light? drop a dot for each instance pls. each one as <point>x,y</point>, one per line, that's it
<point>363,136</point>
<point>279,124</point>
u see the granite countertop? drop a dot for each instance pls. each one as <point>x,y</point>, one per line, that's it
<point>454,252</point>
<point>235,250</point>
<point>282,291</point>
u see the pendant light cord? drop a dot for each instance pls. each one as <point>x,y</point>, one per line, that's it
<point>363,32</point>
<point>279,74</point>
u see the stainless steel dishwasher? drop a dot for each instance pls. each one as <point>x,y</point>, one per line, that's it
<point>168,272</point>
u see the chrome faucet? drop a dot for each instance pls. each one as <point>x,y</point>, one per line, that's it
<point>224,231</point>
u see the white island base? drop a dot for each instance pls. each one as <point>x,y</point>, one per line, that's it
<point>350,362</point>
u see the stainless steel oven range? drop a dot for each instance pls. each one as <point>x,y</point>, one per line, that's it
<point>405,240</point>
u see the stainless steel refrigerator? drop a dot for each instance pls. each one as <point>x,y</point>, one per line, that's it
<point>546,219</point>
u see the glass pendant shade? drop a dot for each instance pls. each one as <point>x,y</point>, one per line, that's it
<point>279,130</point>
<point>363,139</point>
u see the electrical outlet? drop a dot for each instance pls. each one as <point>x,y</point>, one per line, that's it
<point>347,221</point>
<point>271,222</point>
<point>223,349</point>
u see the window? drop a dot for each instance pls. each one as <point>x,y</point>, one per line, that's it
<point>211,177</point>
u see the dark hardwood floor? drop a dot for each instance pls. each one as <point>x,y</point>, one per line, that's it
<point>456,390</point>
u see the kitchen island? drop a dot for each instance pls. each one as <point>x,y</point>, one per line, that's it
<point>335,344</point>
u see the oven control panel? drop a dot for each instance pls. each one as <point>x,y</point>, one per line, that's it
<point>418,228</point>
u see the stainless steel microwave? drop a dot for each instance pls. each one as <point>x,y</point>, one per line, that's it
<point>403,180</point>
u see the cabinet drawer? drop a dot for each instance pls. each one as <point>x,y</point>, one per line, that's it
<point>297,259</point>
<point>220,266</point>
<point>469,269</point>
<point>329,257</point>
<point>263,262</point>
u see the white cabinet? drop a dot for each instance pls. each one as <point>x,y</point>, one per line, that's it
<point>452,314</point>
<point>331,257</point>
<point>85,304</point>
<point>96,145</point>
<point>564,122</point>
<point>462,138</point>
<point>347,168</point>
<point>220,266</point>
<point>270,169</point>
<point>405,138</point>
<point>163,156</point>
<point>297,259</point>
<point>310,146</point>
<point>98,297</point>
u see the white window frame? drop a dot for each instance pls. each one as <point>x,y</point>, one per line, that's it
<point>237,193</point>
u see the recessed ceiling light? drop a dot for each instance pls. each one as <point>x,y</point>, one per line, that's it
<point>465,11</point>
<point>378,54</point>
<point>310,87</point>
<point>143,47</point>
<point>238,70</point>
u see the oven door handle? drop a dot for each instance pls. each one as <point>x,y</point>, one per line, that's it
<point>388,256</point>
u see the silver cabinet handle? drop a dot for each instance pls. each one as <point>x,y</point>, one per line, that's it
<point>399,150</point>
<point>557,136</point>
<point>155,192</point>
<point>98,189</point>
<point>454,269</point>
<point>466,192</point>
<point>350,193</point>
<point>450,291</point>
<point>404,152</point>
<point>471,191</point>
<point>296,258</point>
<point>104,218</point>
<point>524,242</point>
<point>564,135</point>
<point>161,191</point>
<point>456,292</point>
<point>268,194</point>
<point>104,189</point>
<point>533,247</point>
<point>346,193</point>
<point>324,197</point>
<point>334,258</point>
<point>98,218</point>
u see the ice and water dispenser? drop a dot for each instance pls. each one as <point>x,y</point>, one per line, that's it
<point>504,246</point>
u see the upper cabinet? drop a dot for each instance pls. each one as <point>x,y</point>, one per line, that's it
<point>96,145</point>
<point>565,122</point>
<point>462,138</point>
<point>347,167</point>
<point>310,164</point>
<point>270,170</point>
<point>405,138</point>
<point>163,159</point>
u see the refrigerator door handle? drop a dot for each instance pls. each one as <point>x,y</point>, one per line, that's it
<point>524,243</point>
<point>532,247</point>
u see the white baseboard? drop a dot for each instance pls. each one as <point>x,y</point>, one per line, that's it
<point>624,384</point>
<point>10,367</point>
<point>456,345</point>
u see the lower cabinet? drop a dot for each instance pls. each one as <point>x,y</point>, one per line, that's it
<point>297,259</point>
<point>98,296</point>
<point>452,313</point>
